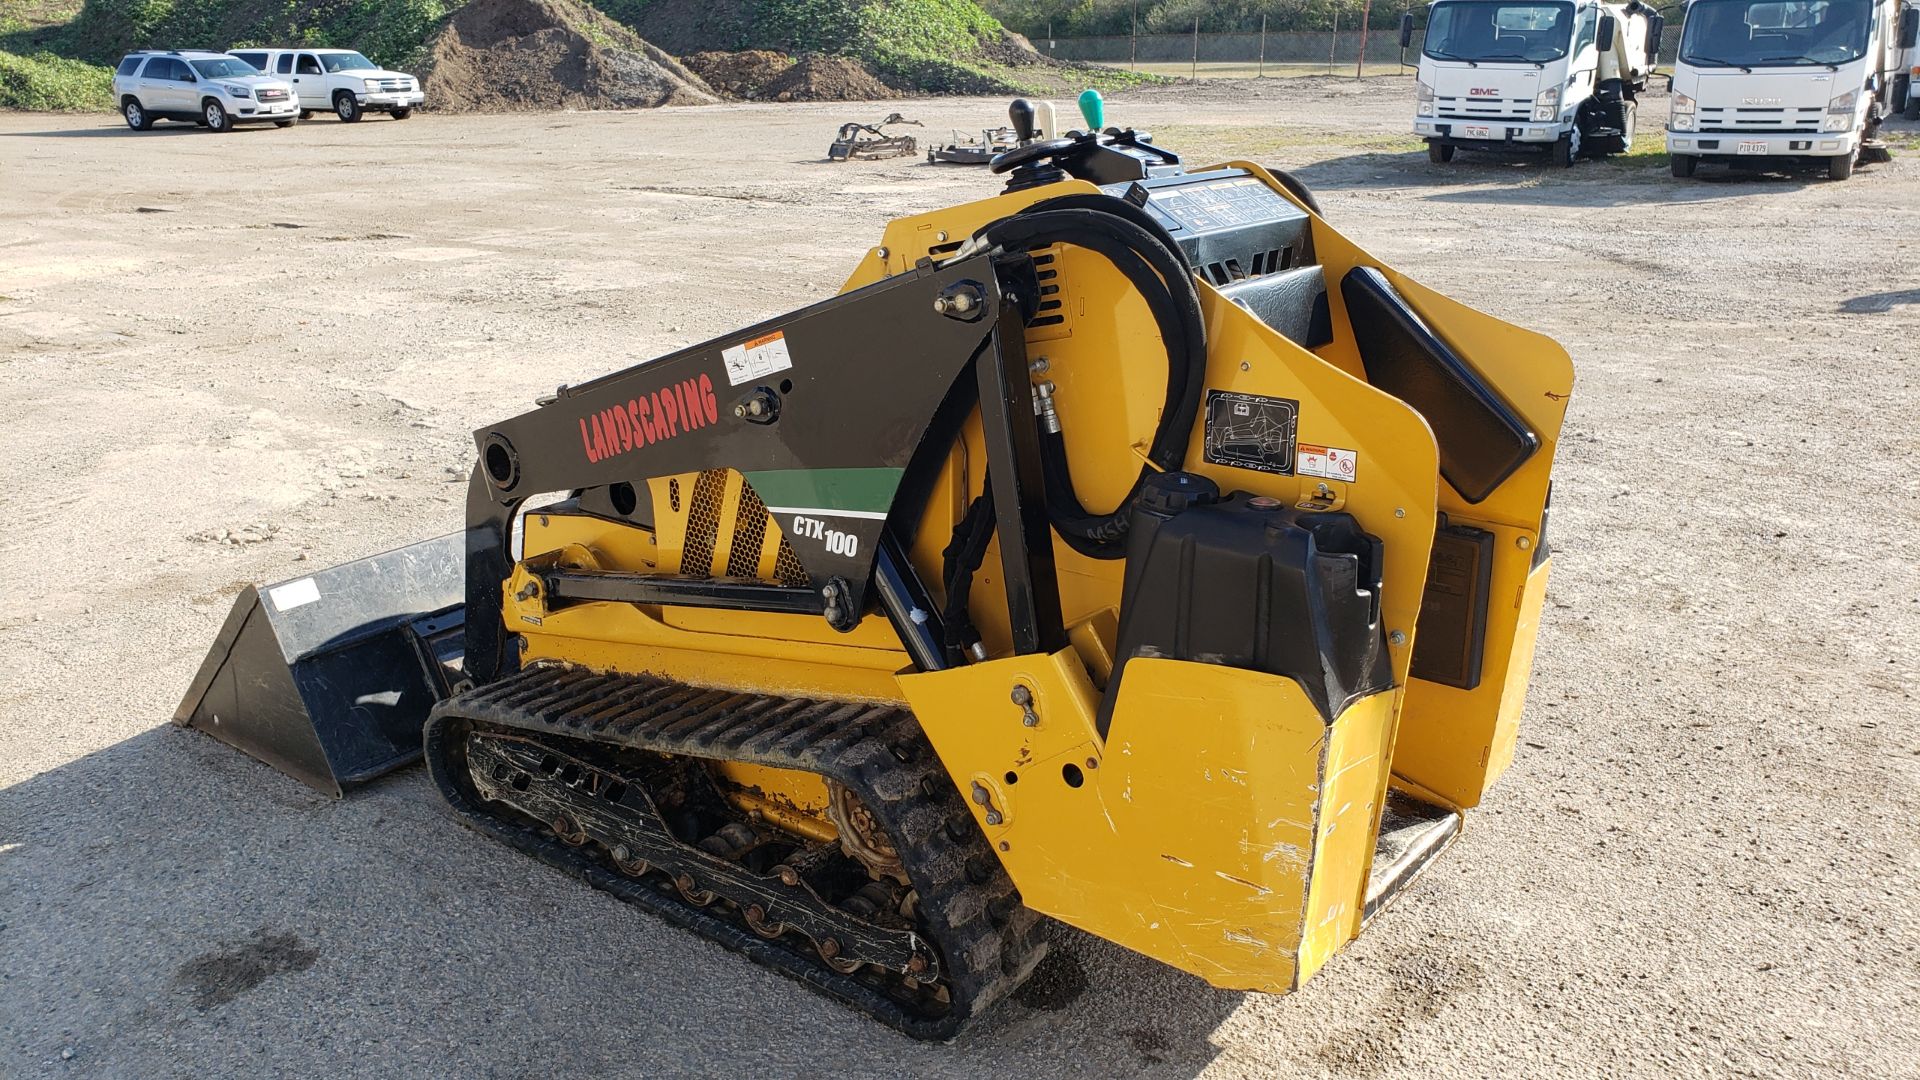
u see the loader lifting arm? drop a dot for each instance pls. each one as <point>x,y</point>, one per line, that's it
<point>834,399</point>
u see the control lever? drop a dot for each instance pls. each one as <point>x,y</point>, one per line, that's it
<point>1094,108</point>
<point>1021,113</point>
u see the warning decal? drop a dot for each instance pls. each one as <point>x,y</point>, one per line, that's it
<point>756,359</point>
<point>1327,462</point>
<point>1248,431</point>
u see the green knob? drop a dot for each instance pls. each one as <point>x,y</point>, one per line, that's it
<point>1094,109</point>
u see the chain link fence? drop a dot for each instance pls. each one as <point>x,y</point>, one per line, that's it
<point>1248,55</point>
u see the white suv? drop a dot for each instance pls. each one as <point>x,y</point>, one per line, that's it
<point>206,88</point>
<point>340,80</point>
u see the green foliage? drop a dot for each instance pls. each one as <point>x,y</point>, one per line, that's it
<point>875,30</point>
<point>391,32</point>
<point>939,46</point>
<point>44,82</point>
<point>1083,18</point>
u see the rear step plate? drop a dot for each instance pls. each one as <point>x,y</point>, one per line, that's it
<point>1411,834</point>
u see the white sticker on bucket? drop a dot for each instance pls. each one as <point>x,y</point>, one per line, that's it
<point>293,594</point>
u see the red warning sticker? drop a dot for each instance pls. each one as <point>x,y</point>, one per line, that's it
<point>1326,462</point>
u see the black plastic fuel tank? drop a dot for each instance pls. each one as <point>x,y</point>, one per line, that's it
<point>1251,582</point>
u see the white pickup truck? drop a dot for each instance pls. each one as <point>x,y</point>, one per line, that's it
<point>340,81</point>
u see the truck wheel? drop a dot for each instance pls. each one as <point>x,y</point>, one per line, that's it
<point>346,108</point>
<point>1684,164</point>
<point>1913,105</point>
<point>1566,149</point>
<point>215,116</point>
<point>1439,153</point>
<point>1840,167</point>
<point>137,117</point>
<point>283,123</point>
<point>306,114</point>
<point>402,114</point>
<point>1631,112</point>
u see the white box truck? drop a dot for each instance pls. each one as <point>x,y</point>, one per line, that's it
<point>1559,76</point>
<point>1767,79</point>
<point>1906,79</point>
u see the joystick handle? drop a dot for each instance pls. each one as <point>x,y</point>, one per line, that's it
<point>1021,113</point>
<point>1094,108</point>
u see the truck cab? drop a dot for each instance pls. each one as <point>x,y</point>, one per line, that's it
<point>1559,76</point>
<point>1794,79</point>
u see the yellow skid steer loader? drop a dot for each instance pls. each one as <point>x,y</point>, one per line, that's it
<point>1129,548</point>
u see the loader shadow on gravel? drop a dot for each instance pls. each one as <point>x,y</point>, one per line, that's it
<point>222,901</point>
<point>1880,303</point>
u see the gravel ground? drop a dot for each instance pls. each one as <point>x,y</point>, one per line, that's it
<point>229,359</point>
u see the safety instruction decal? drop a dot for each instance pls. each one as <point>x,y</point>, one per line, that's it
<point>756,359</point>
<point>1247,431</point>
<point>1327,462</point>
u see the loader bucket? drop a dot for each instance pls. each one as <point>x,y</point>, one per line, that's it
<point>329,677</point>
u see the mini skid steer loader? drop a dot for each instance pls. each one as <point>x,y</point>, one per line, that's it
<point>1168,566</point>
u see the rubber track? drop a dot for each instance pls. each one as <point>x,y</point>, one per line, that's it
<point>988,940</point>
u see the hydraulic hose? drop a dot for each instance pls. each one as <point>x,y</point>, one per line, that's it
<point>1127,237</point>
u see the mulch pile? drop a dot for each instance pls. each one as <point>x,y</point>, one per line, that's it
<point>816,77</point>
<point>764,75</point>
<point>739,74</point>
<point>527,55</point>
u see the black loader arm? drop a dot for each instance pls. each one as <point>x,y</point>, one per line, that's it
<point>822,414</point>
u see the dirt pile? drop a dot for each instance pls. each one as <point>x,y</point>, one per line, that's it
<point>765,75</point>
<point>524,55</point>
<point>739,74</point>
<point>817,77</point>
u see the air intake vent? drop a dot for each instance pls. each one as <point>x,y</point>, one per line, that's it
<point>1049,312</point>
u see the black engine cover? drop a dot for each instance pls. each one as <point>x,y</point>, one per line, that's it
<point>1250,582</point>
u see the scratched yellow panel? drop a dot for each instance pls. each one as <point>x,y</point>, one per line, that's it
<point>1191,833</point>
<point>1350,803</point>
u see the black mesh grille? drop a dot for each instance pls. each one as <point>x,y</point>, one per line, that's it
<point>749,533</point>
<point>786,567</point>
<point>703,523</point>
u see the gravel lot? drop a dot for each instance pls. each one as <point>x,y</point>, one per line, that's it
<point>230,359</point>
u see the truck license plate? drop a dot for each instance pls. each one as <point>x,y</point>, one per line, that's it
<point>1476,131</point>
<point>1753,148</point>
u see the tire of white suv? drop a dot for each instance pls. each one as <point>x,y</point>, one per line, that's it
<point>401,114</point>
<point>215,115</point>
<point>136,117</point>
<point>346,108</point>
<point>283,123</point>
<point>306,114</point>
